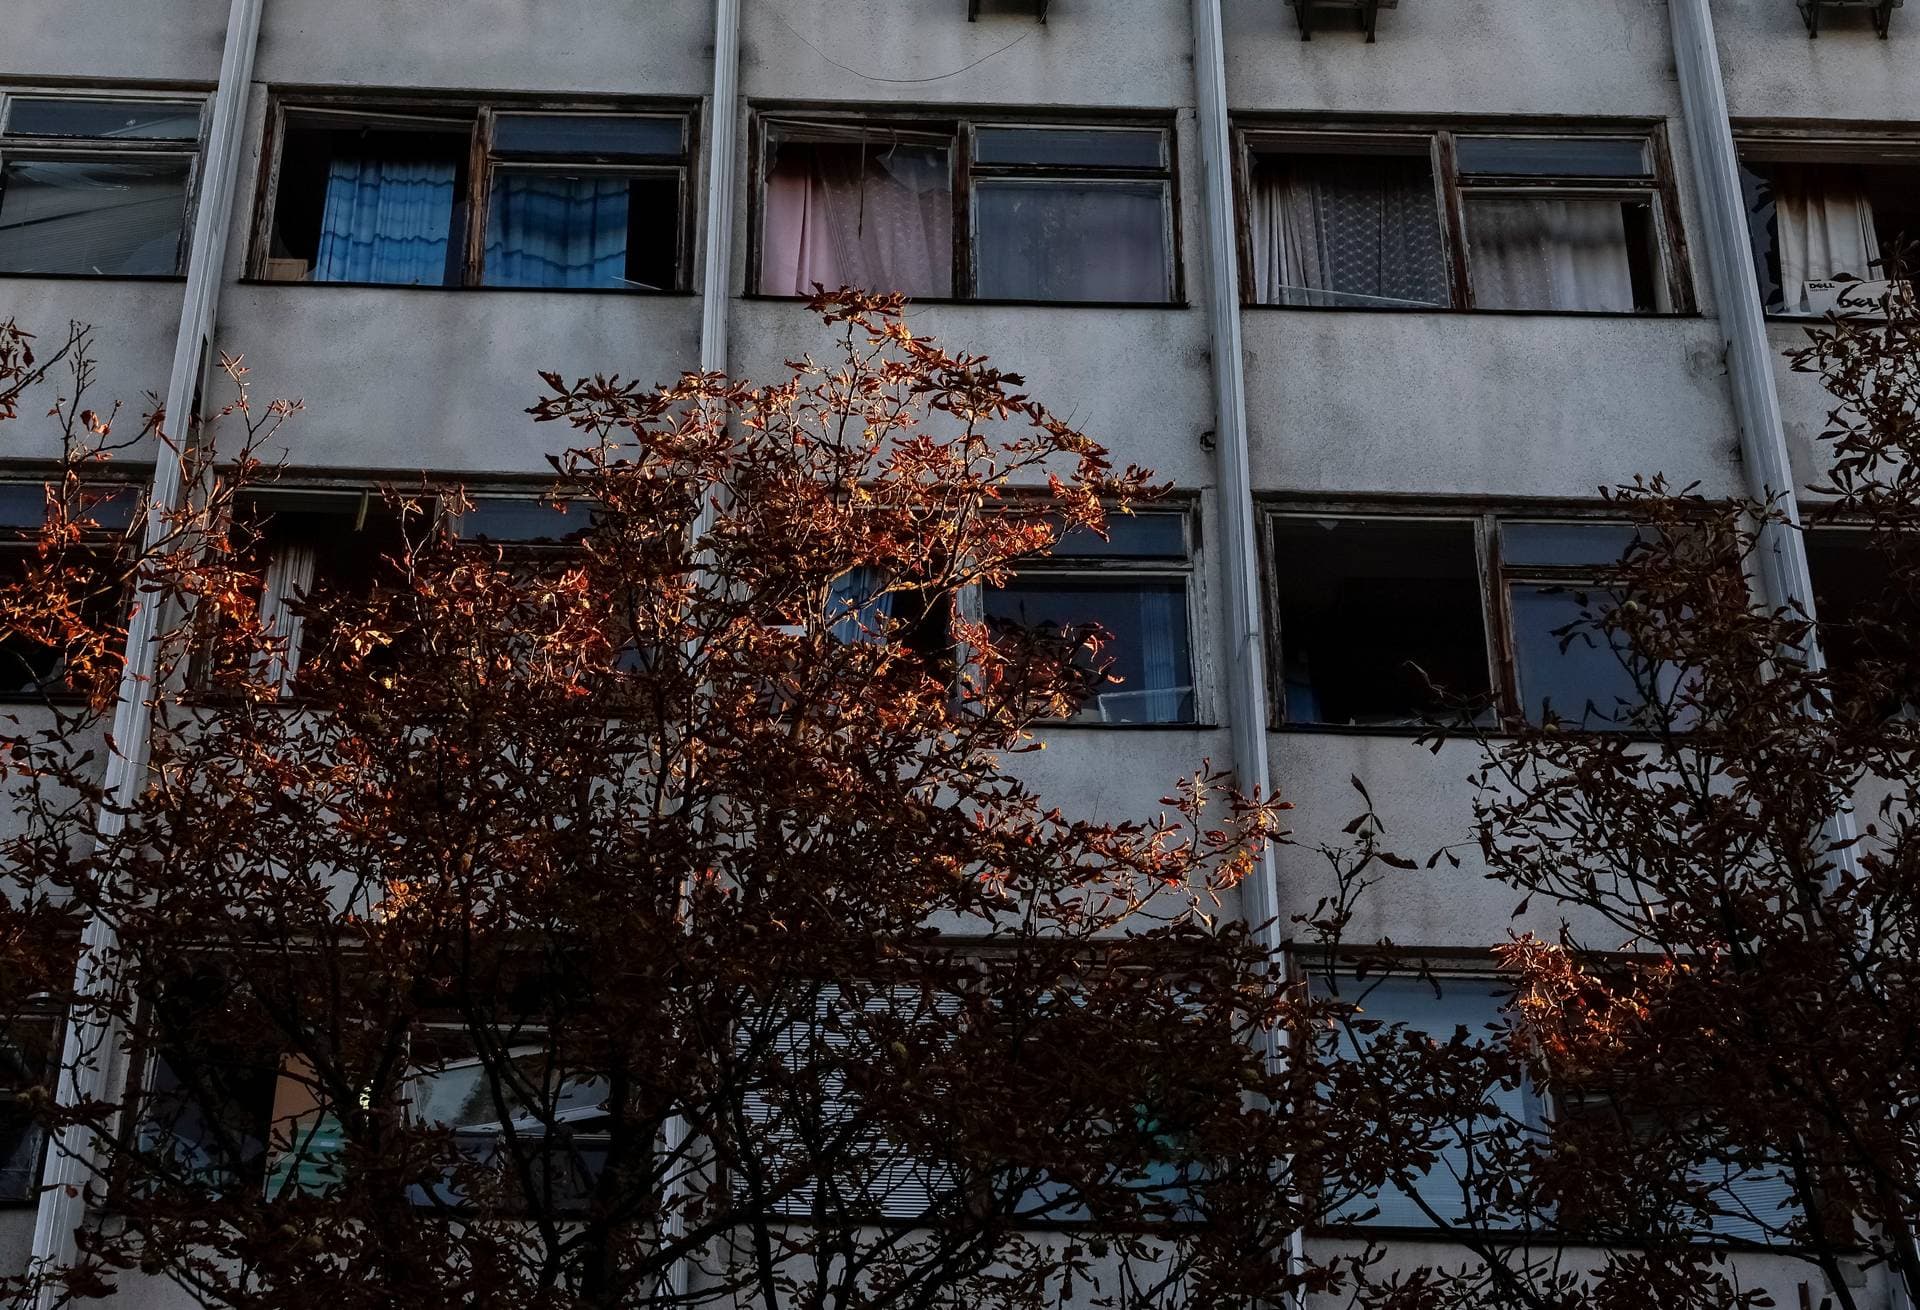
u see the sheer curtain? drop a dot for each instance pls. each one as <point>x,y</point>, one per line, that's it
<point>386,220</point>
<point>548,230</point>
<point>1346,230</point>
<point>1549,254</point>
<point>877,217</point>
<point>289,578</point>
<point>1825,230</point>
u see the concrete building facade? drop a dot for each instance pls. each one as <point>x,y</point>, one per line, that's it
<point>1390,309</point>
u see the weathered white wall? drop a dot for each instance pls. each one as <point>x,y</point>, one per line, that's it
<point>133,330</point>
<point>1515,405</point>
<point>1774,70</point>
<point>150,40</point>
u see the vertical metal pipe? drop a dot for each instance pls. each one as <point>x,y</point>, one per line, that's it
<point>91,1063</point>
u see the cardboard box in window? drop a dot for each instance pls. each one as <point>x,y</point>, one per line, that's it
<point>288,270</point>
<point>1844,296</point>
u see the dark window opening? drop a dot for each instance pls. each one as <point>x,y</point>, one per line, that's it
<point>370,204</point>
<point>1380,621</point>
<point>1818,227</point>
<point>29,1051</point>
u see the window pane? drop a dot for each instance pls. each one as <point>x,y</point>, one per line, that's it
<point>1552,156</point>
<point>142,120</point>
<point>106,217</point>
<point>26,1060</point>
<point>1099,241</point>
<point>1597,682</point>
<point>23,505</point>
<point>1359,230</point>
<point>514,519</point>
<point>1380,621</point>
<point>1147,646</point>
<point>877,216</point>
<point>1130,536</point>
<point>1438,1009</point>
<point>370,203</point>
<point>1817,228</point>
<point>1566,544</point>
<point>1525,252</point>
<point>1070,146</point>
<point>587,230</point>
<point>602,136</point>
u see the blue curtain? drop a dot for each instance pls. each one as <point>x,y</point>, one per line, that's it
<point>386,220</point>
<point>546,230</point>
<point>855,612</point>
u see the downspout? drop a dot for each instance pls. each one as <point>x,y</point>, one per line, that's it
<point>1781,562</point>
<point>716,285</point>
<point>1245,671</point>
<point>73,1156</point>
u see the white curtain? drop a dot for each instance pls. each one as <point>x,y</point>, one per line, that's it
<point>1549,254</point>
<point>289,578</point>
<point>1825,230</point>
<point>1346,230</point>
<point>878,217</point>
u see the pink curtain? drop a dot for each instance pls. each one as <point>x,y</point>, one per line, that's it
<point>877,216</point>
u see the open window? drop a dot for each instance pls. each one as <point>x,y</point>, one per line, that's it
<point>968,209</point>
<point>1132,589</point>
<point>1823,218</point>
<point>29,1053</point>
<point>1365,219</point>
<point>1380,621</point>
<point>477,195</point>
<point>96,186</point>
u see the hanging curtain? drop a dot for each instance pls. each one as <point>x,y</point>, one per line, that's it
<point>853,609</point>
<point>878,217</point>
<point>1156,689</point>
<point>386,220</point>
<point>1347,230</point>
<point>548,230</point>
<point>1825,230</point>
<point>289,578</point>
<point>1549,254</point>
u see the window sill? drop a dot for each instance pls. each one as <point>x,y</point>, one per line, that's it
<point>1452,312</point>
<point>1454,733</point>
<point>1093,725</point>
<point>465,290</point>
<point>1528,1236</point>
<point>980,300</point>
<point>10,274</point>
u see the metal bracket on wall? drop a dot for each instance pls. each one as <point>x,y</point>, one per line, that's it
<point>1039,10</point>
<point>1880,10</point>
<point>1367,12</point>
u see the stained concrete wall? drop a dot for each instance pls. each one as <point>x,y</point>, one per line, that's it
<point>1773,69</point>
<point>133,324</point>
<point>113,41</point>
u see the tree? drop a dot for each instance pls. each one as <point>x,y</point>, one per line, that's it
<point>1732,1013</point>
<point>649,918</point>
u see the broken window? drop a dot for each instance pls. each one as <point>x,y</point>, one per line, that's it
<point>478,195</point>
<point>95,186</point>
<point>1824,218</point>
<point>1380,621</point>
<point>1555,223</point>
<point>977,210</point>
<point>1125,602</point>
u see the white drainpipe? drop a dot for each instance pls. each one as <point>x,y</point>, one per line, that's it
<point>73,1156</point>
<point>1245,666</point>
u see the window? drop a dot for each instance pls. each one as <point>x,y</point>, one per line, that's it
<point>30,667</point>
<point>1451,219</point>
<point>306,544</point>
<point>1134,589</point>
<point>204,1104</point>
<point>477,196</point>
<point>526,524</point>
<point>29,1050</point>
<point>1389,621</point>
<point>1821,217</point>
<point>975,210</point>
<point>94,186</point>
<point>1380,621</point>
<point>1441,1008</point>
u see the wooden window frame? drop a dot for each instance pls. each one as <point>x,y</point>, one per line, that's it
<point>1255,136</point>
<point>113,150</point>
<point>1495,578</point>
<point>958,130</point>
<point>478,116</point>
